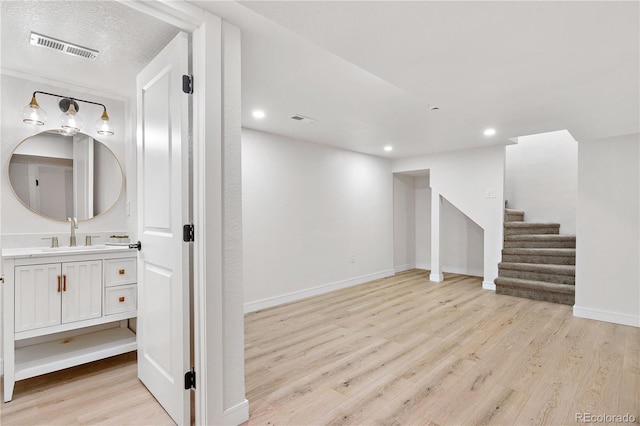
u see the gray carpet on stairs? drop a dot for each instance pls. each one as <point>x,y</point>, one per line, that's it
<point>537,261</point>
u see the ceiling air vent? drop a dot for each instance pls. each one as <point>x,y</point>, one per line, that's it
<point>63,46</point>
<point>303,119</point>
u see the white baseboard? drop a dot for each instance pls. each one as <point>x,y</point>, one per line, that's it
<point>489,285</point>
<point>237,414</point>
<point>606,316</point>
<point>402,268</point>
<point>425,266</point>
<point>315,291</point>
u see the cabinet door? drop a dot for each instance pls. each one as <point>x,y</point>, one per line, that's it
<point>81,290</point>
<point>37,296</point>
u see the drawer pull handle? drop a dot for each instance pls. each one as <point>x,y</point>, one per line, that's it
<point>121,299</point>
<point>121,271</point>
<point>64,282</point>
<point>59,277</point>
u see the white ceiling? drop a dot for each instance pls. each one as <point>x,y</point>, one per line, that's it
<point>368,71</point>
<point>127,40</point>
<point>521,67</point>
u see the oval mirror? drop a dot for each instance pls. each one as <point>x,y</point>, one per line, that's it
<point>60,176</point>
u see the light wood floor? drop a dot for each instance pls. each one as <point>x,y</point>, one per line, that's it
<point>406,351</point>
<point>105,392</point>
<point>401,350</point>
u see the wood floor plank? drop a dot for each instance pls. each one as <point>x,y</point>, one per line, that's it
<point>358,409</point>
<point>599,389</point>
<point>263,413</point>
<point>499,407</point>
<point>413,405</point>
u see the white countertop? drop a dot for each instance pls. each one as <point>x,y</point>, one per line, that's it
<point>61,251</point>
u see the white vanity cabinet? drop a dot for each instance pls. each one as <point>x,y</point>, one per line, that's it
<point>63,308</point>
<point>57,293</point>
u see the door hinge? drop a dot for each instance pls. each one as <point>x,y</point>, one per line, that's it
<point>187,84</point>
<point>2,279</point>
<point>188,233</point>
<point>190,379</point>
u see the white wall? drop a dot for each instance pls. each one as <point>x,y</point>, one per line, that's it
<point>423,222</point>
<point>541,178</point>
<point>315,218</point>
<point>218,223</point>
<point>404,223</point>
<point>20,226</point>
<point>472,180</point>
<point>462,241</point>
<point>608,231</point>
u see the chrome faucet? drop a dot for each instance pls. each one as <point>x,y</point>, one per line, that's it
<point>74,225</point>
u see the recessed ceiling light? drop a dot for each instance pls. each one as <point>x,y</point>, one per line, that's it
<point>388,148</point>
<point>490,132</point>
<point>434,108</point>
<point>259,114</point>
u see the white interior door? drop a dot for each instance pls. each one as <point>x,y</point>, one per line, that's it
<point>163,207</point>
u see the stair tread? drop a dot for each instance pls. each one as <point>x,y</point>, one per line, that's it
<point>514,211</point>
<point>539,267</point>
<point>518,224</point>
<point>535,237</point>
<point>539,251</point>
<point>537,285</point>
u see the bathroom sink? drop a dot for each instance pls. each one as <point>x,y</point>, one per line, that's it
<point>77,248</point>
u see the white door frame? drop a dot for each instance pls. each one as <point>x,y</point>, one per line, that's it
<point>210,326</point>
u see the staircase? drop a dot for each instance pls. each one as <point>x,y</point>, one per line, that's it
<point>537,262</point>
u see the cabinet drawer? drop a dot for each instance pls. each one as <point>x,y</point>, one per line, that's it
<point>120,271</point>
<point>120,299</point>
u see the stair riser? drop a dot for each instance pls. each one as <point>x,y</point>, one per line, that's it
<point>544,260</point>
<point>565,299</point>
<point>539,244</point>
<point>537,276</point>
<point>531,231</point>
<point>514,217</point>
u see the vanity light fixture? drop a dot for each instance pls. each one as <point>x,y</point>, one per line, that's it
<point>70,121</point>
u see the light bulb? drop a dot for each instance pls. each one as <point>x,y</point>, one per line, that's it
<point>70,121</point>
<point>102,125</point>
<point>33,113</point>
